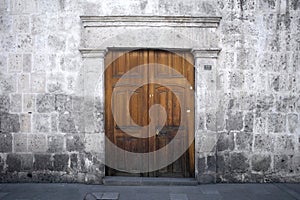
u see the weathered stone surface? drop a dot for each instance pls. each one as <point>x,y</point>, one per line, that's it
<point>264,142</point>
<point>63,103</point>
<point>277,123</point>
<point>56,83</point>
<point>282,163</point>
<point>8,84</point>
<point>77,122</point>
<point>50,7</point>
<point>236,79</point>
<point>225,141</point>
<point>38,82</point>
<point>42,162</point>
<point>89,125</point>
<point>223,163</point>
<point>248,123</point>
<point>29,102</point>
<point>5,143</point>
<point>23,6</point>
<point>39,24</point>
<point>13,163</point>
<point>45,103</point>
<point>244,141</point>
<point>260,124</point>
<point>247,101</point>
<point>71,83</point>
<point>74,162</point>
<point>8,42</point>
<point>16,103</point>
<point>239,162</point>
<point>25,42</point>
<point>67,123</point>
<point>211,122</point>
<point>37,143</point>
<point>57,42</point>
<point>24,83</point>
<point>55,143</point>
<point>9,123</point>
<point>6,23</point>
<point>293,121</point>
<point>20,142</point>
<point>245,59</point>
<point>15,62</point>
<point>264,102</point>
<point>285,143</point>
<point>75,143</point>
<point>234,121</point>
<point>60,162</point>
<point>25,123</point>
<point>4,6</point>
<point>261,163</point>
<point>4,103</point>
<point>44,62</point>
<point>3,64</point>
<point>284,103</point>
<point>54,122</point>
<point>26,162</point>
<point>2,163</point>
<point>202,165</point>
<point>208,142</point>
<point>19,162</point>
<point>27,62</point>
<point>93,143</point>
<point>211,164</point>
<point>274,83</point>
<point>41,123</point>
<point>77,102</point>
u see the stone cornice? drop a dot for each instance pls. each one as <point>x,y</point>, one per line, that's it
<point>198,53</point>
<point>151,21</point>
<point>93,53</point>
<point>206,53</point>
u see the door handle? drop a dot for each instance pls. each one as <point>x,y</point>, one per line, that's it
<point>161,132</point>
<point>157,132</point>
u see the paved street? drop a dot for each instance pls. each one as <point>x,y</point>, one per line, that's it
<point>200,192</point>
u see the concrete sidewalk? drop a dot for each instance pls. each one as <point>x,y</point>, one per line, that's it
<point>200,192</point>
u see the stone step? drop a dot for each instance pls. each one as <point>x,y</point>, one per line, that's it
<point>149,181</point>
<point>102,196</point>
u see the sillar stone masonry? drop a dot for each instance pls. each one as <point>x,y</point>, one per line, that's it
<point>247,117</point>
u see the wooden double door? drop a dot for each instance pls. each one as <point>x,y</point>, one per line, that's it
<point>135,81</point>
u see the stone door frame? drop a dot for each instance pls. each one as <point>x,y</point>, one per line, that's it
<point>205,62</point>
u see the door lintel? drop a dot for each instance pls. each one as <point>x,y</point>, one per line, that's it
<point>197,52</point>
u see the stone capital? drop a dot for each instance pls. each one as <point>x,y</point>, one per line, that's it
<point>93,53</point>
<point>206,53</point>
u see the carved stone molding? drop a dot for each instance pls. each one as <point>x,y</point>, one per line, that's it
<point>151,21</point>
<point>93,53</point>
<point>206,53</point>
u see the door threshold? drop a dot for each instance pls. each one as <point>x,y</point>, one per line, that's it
<point>148,181</point>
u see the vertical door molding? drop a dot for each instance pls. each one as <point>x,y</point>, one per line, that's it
<point>205,114</point>
<point>93,82</point>
<point>92,91</point>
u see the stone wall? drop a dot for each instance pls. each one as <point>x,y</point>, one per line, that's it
<point>45,135</point>
<point>259,71</point>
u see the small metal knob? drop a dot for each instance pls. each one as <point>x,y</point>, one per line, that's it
<point>157,132</point>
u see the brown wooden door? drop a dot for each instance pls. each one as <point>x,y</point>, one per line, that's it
<point>164,87</point>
